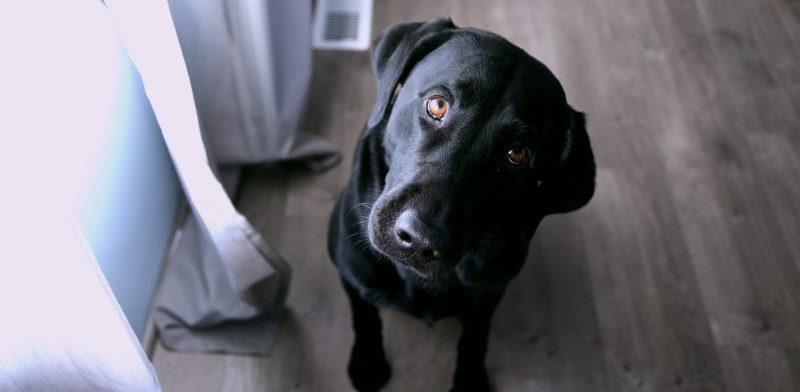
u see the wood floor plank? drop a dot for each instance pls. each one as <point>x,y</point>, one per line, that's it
<point>788,12</point>
<point>793,365</point>
<point>736,47</point>
<point>763,369</point>
<point>775,43</point>
<point>653,328</point>
<point>782,196</point>
<point>181,371</point>
<point>716,182</point>
<point>673,346</point>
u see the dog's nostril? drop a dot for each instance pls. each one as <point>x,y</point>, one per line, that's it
<point>406,231</point>
<point>404,236</point>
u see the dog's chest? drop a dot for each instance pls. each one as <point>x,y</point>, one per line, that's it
<point>425,303</point>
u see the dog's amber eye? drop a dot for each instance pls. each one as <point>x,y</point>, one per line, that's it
<point>517,155</point>
<point>437,106</point>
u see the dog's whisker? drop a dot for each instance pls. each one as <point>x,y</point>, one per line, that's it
<point>368,205</point>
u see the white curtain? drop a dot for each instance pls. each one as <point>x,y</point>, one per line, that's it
<point>248,68</point>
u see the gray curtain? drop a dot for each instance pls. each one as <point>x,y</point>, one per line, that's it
<point>249,62</point>
<point>240,75</point>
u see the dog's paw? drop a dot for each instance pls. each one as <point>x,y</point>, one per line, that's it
<point>368,369</point>
<point>471,380</point>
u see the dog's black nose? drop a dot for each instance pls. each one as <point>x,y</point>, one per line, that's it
<point>412,234</point>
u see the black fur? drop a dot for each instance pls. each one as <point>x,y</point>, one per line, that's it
<point>435,220</point>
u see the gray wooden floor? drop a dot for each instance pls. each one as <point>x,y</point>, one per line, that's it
<point>683,274</point>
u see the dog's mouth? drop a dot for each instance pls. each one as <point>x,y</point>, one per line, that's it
<point>421,265</point>
<point>422,271</point>
<point>425,273</point>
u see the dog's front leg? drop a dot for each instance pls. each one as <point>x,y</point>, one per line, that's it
<point>368,368</point>
<point>470,368</point>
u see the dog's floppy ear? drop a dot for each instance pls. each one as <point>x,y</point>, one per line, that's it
<point>571,186</point>
<point>396,50</point>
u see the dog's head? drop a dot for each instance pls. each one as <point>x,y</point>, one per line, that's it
<point>480,144</point>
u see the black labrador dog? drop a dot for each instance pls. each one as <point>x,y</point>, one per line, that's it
<point>470,144</point>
